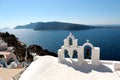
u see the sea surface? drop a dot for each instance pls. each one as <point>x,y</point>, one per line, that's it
<point>108,39</point>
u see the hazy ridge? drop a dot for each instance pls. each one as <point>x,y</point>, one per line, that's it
<point>54,26</point>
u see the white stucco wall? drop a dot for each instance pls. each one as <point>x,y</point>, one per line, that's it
<point>117,65</point>
<point>80,51</point>
<point>96,56</point>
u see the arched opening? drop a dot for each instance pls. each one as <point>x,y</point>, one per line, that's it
<point>70,41</point>
<point>66,55</point>
<point>87,52</point>
<point>75,54</point>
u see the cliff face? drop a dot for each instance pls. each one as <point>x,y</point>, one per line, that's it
<point>61,26</point>
<point>20,48</point>
<point>11,40</point>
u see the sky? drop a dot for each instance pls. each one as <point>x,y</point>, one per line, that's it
<point>90,12</point>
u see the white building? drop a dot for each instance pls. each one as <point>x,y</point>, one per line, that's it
<point>72,50</point>
<point>3,45</point>
<point>6,53</point>
<point>75,67</point>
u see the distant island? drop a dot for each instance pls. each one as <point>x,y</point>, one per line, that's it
<point>62,26</point>
<point>54,26</point>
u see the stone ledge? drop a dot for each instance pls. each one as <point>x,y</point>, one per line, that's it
<point>117,66</point>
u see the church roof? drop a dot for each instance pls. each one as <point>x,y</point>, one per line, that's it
<point>71,36</point>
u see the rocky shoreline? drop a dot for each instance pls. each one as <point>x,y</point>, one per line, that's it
<point>20,48</point>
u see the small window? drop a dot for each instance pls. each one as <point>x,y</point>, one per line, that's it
<point>87,52</point>
<point>66,55</point>
<point>1,56</point>
<point>75,54</point>
<point>70,41</point>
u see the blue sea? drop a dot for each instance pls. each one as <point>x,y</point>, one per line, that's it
<point>108,39</point>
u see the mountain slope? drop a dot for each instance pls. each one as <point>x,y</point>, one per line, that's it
<point>61,26</point>
<point>27,26</point>
<point>54,26</point>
